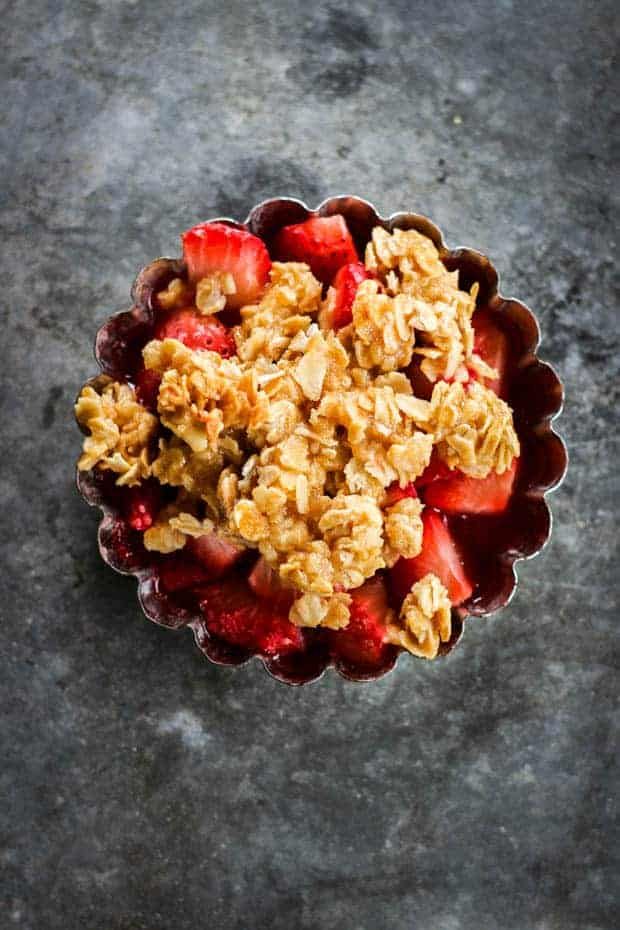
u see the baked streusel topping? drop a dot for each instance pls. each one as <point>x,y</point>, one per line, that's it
<point>425,619</point>
<point>294,445</point>
<point>120,431</point>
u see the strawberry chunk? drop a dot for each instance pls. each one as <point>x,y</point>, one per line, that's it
<point>147,384</point>
<point>491,344</point>
<point>233,612</point>
<point>266,584</point>
<point>141,505</point>
<point>395,493</point>
<point>434,471</point>
<point>217,554</point>
<point>462,494</point>
<point>362,641</point>
<point>211,247</point>
<point>440,556</point>
<point>179,572</point>
<point>196,331</point>
<point>323,242</point>
<point>346,283</point>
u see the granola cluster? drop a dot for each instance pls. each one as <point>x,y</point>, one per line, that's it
<point>472,428</point>
<point>425,619</point>
<point>120,431</point>
<point>425,297</point>
<point>289,447</point>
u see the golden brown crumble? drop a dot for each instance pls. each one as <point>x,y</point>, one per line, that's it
<point>313,610</point>
<point>178,293</point>
<point>410,264</point>
<point>201,393</point>
<point>403,530</point>
<point>289,446</point>
<point>212,291</point>
<point>425,619</point>
<point>472,428</point>
<point>267,328</point>
<point>120,430</point>
<point>173,525</point>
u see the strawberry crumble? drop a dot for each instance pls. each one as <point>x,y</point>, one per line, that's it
<point>305,427</point>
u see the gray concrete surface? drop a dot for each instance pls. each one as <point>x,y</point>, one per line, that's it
<point>142,788</point>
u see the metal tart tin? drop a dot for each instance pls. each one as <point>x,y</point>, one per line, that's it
<point>535,395</point>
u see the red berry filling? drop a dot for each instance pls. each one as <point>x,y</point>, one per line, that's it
<point>491,344</point>
<point>233,612</point>
<point>180,572</point>
<point>141,504</point>
<point>196,331</point>
<point>435,470</point>
<point>322,242</point>
<point>346,283</point>
<point>439,556</point>
<point>217,554</point>
<point>362,642</point>
<point>395,493</point>
<point>266,584</point>
<point>147,384</point>
<point>462,494</point>
<point>215,247</point>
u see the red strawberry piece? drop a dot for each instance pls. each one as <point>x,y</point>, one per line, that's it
<point>362,641</point>
<point>217,554</point>
<point>141,505</point>
<point>440,556</point>
<point>234,613</point>
<point>346,283</point>
<point>147,384</point>
<point>323,242</point>
<point>180,572</point>
<point>266,584</point>
<point>395,493</point>
<point>434,471</point>
<point>491,344</point>
<point>196,331</point>
<point>211,247</point>
<point>462,494</point>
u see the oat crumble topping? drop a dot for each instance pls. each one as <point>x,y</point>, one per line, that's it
<point>472,428</point>
<point>289,447</point>
<point>425,619</point>
<point>402,530</point>
<point>120,430</point>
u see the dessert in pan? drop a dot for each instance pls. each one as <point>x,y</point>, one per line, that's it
<point>320,437</point>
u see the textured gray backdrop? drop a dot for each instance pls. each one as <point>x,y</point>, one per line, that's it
<point>142,788</point>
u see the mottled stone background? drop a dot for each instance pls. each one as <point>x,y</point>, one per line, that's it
<point>142,788</point>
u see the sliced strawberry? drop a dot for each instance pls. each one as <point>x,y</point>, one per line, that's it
<point>323,242</point>
<point>440,556</point>
<point>266,584</point>
<point>211,247</point>
<point>147,388</point>
<point>217,554</point>
<point>196,331</point>
<point>434,471</point>
<point>395,493</point>
<point>233,612</point>
<point>346,283</point>
<point>362,641</point>
<point>180,572</point>
<point>462,494</point>
<point>491,344</point>
<point>141,505</point>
